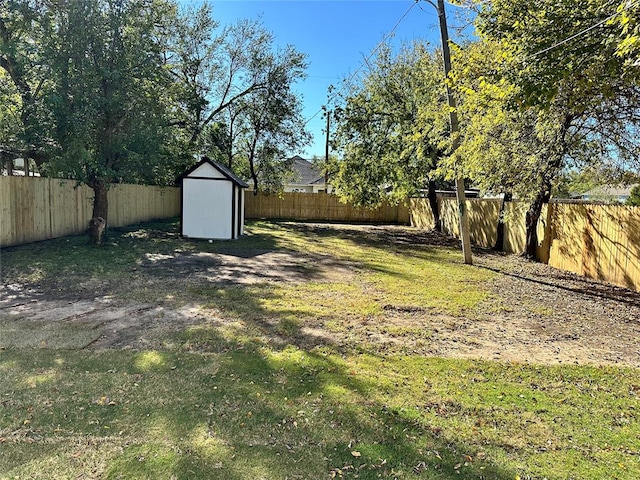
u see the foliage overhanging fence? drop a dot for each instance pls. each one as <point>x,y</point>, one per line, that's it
<point>597,241</point>
<point>33,209</point>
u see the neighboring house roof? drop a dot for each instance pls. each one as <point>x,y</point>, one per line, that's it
<point>305,172</point>
<point>218,166</point>
<point>607,191</point>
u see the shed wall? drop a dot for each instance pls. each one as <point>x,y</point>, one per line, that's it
<point>206,208</point>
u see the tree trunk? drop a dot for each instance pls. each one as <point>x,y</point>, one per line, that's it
<point>433,203</point>
<point>531,222</point>
<point>254,176</point>
<point>10,167</point>
<point>252,166</point>
<point>554,164</point>
<point>98,223</point>
<point>499,245</point>
<point>230,150</point>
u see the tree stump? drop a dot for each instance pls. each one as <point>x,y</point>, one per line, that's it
<point>97,227</point>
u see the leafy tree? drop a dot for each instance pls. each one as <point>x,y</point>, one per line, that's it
<point>327,167</point>
<point>389,131</point>
<point>270,123</point>
<point>578,181</point>
<point>569,53</point>
<point>634,197</point>
<point>233,78</point>
<point>107,91</point>
<point>216,67</point>
<point>514,152</point>
<point>10,122</point>
<point>575,182</point>
<point>628,20</point>
<point>24,83</point>
<point>549,42</point>
<point>216,143</point>
<point>106,62</point>
<point>539,110</point>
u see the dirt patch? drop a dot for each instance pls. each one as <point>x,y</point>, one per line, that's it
<point>99,323</point>
<point>245,267</point>
<point>545,315</point>
<point>534,314</point>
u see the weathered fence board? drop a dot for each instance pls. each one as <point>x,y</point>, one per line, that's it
<point>320,207</point>
<point>597,241</point>
<point>33,209</point>
<point>421,214</point>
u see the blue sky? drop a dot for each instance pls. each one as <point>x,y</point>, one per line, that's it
<point>336,35</point>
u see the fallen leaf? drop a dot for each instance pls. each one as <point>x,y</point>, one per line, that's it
<point>419,468</point>
<point>356,453</point>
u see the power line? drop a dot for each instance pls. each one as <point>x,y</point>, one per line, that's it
<point>586,30</point>
<point>325,77</point>
<point>540,52</point>
<point>365,61</point>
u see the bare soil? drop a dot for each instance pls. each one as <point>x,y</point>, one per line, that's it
<point>535,313</point>
<point>545,315</point>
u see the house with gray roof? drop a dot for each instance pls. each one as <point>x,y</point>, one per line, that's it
<point>608,193</point>
<point>306,178</point>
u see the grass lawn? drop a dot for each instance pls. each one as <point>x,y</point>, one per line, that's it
<point>253,391</point>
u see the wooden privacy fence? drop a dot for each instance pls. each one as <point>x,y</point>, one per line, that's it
<point>597,241</point>
<point>33,208</point>
<point>483,220</point>
<point>320,207</point>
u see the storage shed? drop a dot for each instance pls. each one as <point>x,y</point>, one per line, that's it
<point>212,205</point>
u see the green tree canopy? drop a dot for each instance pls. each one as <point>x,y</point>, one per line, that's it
<point>634,197</point>
<point>268,123</point>
<point>25,80</point>
<point>542,92</point>
<point>390,129</point>
<point>109,91</point>
<point>550,42</point>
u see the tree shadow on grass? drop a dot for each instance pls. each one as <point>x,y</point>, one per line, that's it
<point>262,399</point>
<point>379,236</point>
<point>249,413</point>
<point>69,268</point>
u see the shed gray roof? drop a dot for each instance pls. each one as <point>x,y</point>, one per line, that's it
<point>305,172</point>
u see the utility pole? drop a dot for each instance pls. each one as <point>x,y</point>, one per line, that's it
<point>463,215</point>
<point>326,145</point>
<point>326,154</point>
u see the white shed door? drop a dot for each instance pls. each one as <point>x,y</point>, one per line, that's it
<point>206,208</point>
